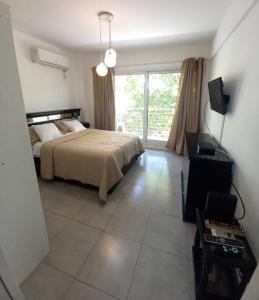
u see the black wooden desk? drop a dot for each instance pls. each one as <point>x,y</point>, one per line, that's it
<point>219,276</point>
<point>203,173</point>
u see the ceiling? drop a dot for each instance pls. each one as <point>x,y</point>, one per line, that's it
<point>73,24</point>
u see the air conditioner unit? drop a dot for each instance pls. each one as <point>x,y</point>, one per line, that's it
<point>51,59</point>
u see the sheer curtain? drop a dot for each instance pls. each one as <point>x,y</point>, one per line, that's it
<point>104,100</point>
<point>187,115</point>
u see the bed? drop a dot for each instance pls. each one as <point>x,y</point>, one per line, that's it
<point>91,156</point>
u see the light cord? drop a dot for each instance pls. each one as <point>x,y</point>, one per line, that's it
<point>101,50</point>
<point>110,35</point>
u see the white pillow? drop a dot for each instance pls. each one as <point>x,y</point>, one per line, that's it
<point>73,125</point>
<point>47,132</point>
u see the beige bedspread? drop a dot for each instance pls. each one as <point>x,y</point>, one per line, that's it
<point>90,156</point>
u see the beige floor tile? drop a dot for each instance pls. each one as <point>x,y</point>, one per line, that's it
<point>71,246</point>
<point>174,160</point>
<point>47,187</point>
<point>172,170</point>
<point>137,195</point>
<point>129,223</point>
<point>110,265</point>
<point>112,197</point>
<point>46,283</point>
<point>54,224</point>
<point>150,167</point>
<point>160,275</point>
<point>167,203</point>
<point>153,156</point>
<point>80,291</point>
<point>97,213</point>
<point>145,179</point>
<point>144,206</point>
<point>169,184</point>
<point>122,185</point>
<point>155,152</point>
<point>62,199</point>
<point>167,233</point>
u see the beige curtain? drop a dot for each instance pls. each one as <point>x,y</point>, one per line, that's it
<point>187,115</point>
<point>104,100</point>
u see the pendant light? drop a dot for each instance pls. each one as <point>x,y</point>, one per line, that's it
<point>110,55</point>
<point>101,69</point>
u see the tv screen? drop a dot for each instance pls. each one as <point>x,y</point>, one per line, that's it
<point>217,97</point>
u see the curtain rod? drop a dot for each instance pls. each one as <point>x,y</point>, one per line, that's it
<point>156,63</point>
<point>148,64</point>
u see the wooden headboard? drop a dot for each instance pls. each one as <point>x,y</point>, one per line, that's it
<point>52,115</point>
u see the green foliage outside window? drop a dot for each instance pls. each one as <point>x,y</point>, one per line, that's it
<point>163,89</point>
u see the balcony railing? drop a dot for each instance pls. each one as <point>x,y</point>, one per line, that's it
<point>158,123</point>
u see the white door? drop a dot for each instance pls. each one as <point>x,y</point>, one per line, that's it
<point>161,104</point>
<point>23,235</point>
<point>4,293</point>
<point>9,290</point>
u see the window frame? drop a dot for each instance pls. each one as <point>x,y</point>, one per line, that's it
<point>146,70</point>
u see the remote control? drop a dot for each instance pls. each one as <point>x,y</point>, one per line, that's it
<point>224,241</point>
<point>229,249</point>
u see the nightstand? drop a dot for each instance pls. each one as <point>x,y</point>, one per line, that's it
<point>85,124</point>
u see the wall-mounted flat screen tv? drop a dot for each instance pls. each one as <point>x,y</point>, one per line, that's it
<point>218,101</point>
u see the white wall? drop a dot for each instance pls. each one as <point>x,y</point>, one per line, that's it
<point>43,87</point>
<point>251,292</point>
<point>237,62</point>
<point>160,55</point>
<point>23,235</point>
<point>235,14</point>
<point>156,58</point>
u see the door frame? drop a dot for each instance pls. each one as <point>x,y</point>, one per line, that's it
<point>146,70</point>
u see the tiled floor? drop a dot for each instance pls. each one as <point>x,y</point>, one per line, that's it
<point>134,247</point>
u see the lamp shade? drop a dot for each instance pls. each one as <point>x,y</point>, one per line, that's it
<point>110,58</point>
<point>101,69</point>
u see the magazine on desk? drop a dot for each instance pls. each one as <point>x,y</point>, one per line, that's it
<point>234,229</point>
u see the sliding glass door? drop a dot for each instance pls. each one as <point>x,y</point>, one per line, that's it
<point>145,104</point>
<point>129,102</point>
<point>162,93</point>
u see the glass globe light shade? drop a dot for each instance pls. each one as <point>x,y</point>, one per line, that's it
<point>111,52</point>
<point>110,60</point>
<point>101,69</point>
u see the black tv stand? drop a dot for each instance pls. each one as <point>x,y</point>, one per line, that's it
<point>204,148</point>
<point>219,275</point>
<point>226,98</point>
<point>203,173</point>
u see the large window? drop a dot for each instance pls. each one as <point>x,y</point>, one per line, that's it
<point>145,104</point>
